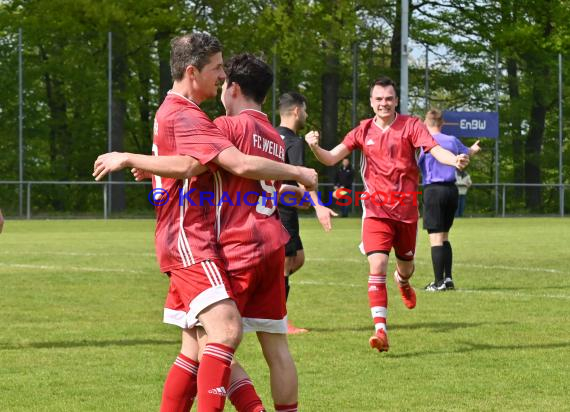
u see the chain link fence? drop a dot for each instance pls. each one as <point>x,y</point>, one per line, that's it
<point>90,200</point>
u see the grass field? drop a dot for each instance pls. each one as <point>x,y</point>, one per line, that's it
<point>81,309</point>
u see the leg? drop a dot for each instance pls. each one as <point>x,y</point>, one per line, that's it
<point>222,325</point>
<point>377,240</point>
<point>440,208</point>
<point>180,385</point>
<point>438,255</point>
<point>294,260</point>
<point>282,370</point>
<point>449,215</point>
<point>241,392</point>
<point>378,299</point>
<point>405,248</point>
<point>402,275</point>
<point>448,263</point>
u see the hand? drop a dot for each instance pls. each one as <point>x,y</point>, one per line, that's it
<point>309,178</point>
<point>312,139</point>
<point>140,174</point>
<point>475,148</point>
<point>1,221</point>
<point>109,162</point>
<point>461,161</point>
<point>324,215</point>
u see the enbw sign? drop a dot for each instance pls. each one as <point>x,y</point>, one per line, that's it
<point>471,124</point>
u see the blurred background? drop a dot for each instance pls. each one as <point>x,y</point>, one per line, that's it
<point>80,78</point>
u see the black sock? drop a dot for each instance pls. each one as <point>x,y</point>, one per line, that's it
<point>438,261</point>
<point>448,259</point>
<point>286,287</point>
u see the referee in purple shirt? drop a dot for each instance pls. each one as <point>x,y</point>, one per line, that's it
<point>440,199</point>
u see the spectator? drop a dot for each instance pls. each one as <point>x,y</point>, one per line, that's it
<point>463,183</point>
<point>343,180</point>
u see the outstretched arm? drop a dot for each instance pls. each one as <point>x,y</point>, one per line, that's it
<point>446,157</point>
<point>326,157</point>
<point>475,148</point>
<point>255,167</point>
<point>178,167</point>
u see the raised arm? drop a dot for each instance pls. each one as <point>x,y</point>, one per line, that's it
<point>326,157</point>
<point>254,167</point>
<point>474,148</point>
<point>178,167</point>
<point>446,157</point>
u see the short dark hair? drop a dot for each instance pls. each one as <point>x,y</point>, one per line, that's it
<point>192,49</point>
<point>287,101</point>
<point>384,82</point>
<point>253,75</point>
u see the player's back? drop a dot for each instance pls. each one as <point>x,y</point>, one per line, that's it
<point>185,224</point>
<point>249,226</point>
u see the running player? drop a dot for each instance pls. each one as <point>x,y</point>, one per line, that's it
<point>390,174</point>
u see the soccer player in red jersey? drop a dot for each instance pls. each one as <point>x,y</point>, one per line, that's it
<point>185,235</point>
<point>388,142</point>
<point>252,238</point>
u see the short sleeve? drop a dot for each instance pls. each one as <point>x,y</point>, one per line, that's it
<point>420,136</point>
<point>351,140</point>
<point>197,136</point>
<point>461,148</point>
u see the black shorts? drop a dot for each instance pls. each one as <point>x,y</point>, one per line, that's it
<point>440,204</point>
<point>290,220</point>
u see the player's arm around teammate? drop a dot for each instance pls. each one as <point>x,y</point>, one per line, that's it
<point>183,167</point>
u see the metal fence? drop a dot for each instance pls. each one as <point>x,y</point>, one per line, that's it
<point>89,199</point>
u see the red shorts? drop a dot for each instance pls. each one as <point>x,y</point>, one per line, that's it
<point>380,235</point>
<point>259,292</point>
<point>192,290</point>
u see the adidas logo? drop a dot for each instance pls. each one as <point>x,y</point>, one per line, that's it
<point>369,142</point>
<point>372,288</point>
<point>410,253</point>
<point>220,391</point>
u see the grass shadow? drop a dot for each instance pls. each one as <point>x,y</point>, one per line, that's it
<point>476,347</point>
<point>86,343</point>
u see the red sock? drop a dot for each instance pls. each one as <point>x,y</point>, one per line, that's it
<point>180,386</point>
<point>244,398</point>
<point>378,299</point>
<point>286,408</point>
<point>214,377</point>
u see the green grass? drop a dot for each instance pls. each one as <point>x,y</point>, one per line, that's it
<point>81,305</point>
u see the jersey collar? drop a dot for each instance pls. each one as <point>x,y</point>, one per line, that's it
<point>172,92</point>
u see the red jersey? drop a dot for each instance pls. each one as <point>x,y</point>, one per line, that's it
<point>389,167</point>
<point>185,223</point>
<point>250,232</point>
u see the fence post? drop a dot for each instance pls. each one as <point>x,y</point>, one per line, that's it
<point>105,201</point>
<point>504,199</point>
<point>28,201</point>
<point>562,200</point>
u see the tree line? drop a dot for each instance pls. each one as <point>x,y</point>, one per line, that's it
<point>314,43</point>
